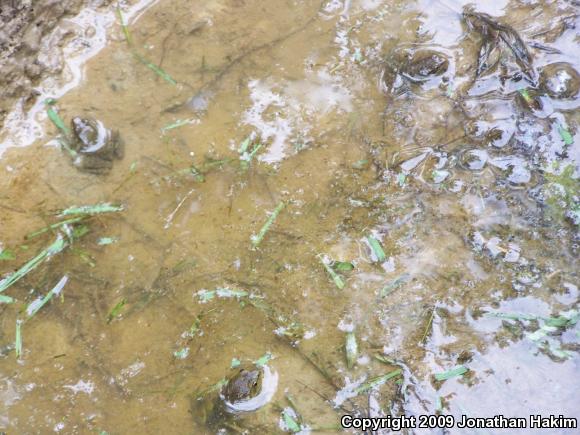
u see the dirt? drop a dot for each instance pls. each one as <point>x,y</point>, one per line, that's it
<point>25,45</point>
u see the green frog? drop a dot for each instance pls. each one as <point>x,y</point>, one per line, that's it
<point>244,385</point>
<point>404,66</point>
<point>96,147</point>
<point>423,64</point>
<point>238,396</point>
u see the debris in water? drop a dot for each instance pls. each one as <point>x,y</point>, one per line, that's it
<point>256,239</point>
<point>92,209</point>
<point>453,373</point>
<point>57,246</point>
<point>263,360</point>
<point>338,281</point>
<point>377,381</point>
<point>351,349</point>
<point>377,249</point>
<point>116,311</point>
<point>36,305</point>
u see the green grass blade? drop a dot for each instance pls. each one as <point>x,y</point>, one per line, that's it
<point>104,241</point>
<point>177,124</point>
<point>378,381</point>
<point>338,281</point>
<point>351,349</point>
<point>116,311</point>
<point>453,373</point>
<point>124,27</point>
<point>157,70</point>
<point>244,146</point>
<point>57,246</point>
<point>342,266</point>
<point>55,118</point>
<point>6,299</point>
<point>263,360</point>
<point>377,249</point>
<point>256,239</point>
<point>290,422</point>
<point>92,209</point>
<point>54,227</point>
<point>18,339</point>
<point>36,305</point>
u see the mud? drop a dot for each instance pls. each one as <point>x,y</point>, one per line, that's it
<point>29,49</point>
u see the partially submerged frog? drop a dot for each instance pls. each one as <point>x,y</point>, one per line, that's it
<point>412,66</point>
<point>96,147</point>
<point>245,391</point>
<point>423,64</point>
<point>560,80</point>
<point>244,385</point>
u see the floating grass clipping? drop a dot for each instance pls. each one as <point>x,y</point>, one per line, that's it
<point>342,266</point>
<point>208,295</point>
<point>256,239</point>
<point>351,349</point>
<point>55,118</point>
<point>565,135</point>
<point>263,360</point>
<point>104,241</point>
<point>92,209</point>
<point>6,299</point>
<point>60,125</point>
<point>378,381</point>
<point>18,338</point>
<point>124,26</point>
<point>338,281</point>
<point>181,353</point>
<point>246,156</point>
<point>156,69</point>
<point>289,419</point>
<point>428,327</point>
<point>377,249</point>
<point>37,304</point>
<point>177,124</point>
<point>453,373</point>
<point>116,311</point>
<point>54,248</point>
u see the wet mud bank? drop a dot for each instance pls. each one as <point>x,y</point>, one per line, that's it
<point>30,46</point>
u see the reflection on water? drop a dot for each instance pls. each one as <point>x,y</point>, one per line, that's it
<point>430,222</point>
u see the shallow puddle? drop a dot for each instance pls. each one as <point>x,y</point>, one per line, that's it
<point>323,194</point>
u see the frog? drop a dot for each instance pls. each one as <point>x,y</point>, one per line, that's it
<point>244,385</point>
<point>415,67</point>
<point>560,80</point>
<point>232,399</point>
<point>425,63</point>
<point>94,146</point>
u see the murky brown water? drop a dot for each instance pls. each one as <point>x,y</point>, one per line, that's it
<point>452,175</point>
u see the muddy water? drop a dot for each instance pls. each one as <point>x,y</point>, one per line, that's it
<point>460,181</point>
